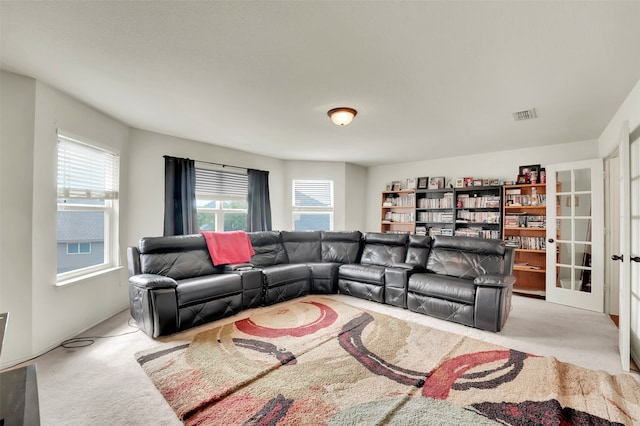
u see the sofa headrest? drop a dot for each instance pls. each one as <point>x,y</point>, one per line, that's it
<point>300,236</point>
<point>171,244</point>
<point>352,236</point>
<point>263,238</point>
<point>387,239</point>
<point>469,244</point>
<point>420,241</point>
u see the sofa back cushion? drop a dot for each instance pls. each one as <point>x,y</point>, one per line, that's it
<point>418,250</point>
<point>268,248</point>
<point>384,249</point>
<point>466,257</point>
<point>178,256</point>
<point>302,246</point>
<point>341,246</point>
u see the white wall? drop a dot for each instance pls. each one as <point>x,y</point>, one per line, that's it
<point>497,165</point>
<point>145,210</point>
<point>628,111</point>
<point>355,197</point>
<point>17,116</point>
<point>47,314</point>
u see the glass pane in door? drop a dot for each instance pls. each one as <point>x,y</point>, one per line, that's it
<point>574,230</point>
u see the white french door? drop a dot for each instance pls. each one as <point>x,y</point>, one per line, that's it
<point>575,234</point>
<point>629,251</point>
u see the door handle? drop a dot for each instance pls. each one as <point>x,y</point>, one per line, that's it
<point>635,259</point>
<point>551,240</point>
<point>616,257</point>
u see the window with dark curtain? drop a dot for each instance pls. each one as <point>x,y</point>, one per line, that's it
<point>259,205</point>
<point>179,196</point>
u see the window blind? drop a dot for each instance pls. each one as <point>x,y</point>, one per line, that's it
<point>221,185</point>
<point>313,193</point>
<point>86,171</point>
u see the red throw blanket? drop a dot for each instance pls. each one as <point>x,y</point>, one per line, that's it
<point>228,247</point>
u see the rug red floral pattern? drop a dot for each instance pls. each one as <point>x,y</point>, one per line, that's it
<point>319,361</point>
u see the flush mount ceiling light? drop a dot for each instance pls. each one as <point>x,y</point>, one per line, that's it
<point>342,116</point>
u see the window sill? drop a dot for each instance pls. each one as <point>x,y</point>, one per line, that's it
<point>86,277</point>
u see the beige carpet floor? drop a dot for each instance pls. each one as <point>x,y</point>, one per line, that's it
<point>102,384</point>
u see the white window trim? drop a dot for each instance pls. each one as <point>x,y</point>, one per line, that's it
<point>296,209</point>
<point>219,212</point>
<point>111,232</point>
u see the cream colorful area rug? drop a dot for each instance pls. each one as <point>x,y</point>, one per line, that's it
<point>319,361</point>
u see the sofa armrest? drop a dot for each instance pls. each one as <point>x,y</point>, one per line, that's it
<point>152,281</point>
<point>408,267</point>
<point>495,280</point>
<point>238,267</point>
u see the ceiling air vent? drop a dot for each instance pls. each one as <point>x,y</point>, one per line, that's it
<point>527,114</point>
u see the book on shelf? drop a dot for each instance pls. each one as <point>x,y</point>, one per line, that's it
<point>527,243</point>
<point>526,265</point>
<point>525,221</point>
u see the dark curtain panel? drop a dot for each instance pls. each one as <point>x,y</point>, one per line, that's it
<point>179,196</point>
<point>259,206</point>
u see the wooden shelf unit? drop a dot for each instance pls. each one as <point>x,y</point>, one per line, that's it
<point>470,211</point>
<point>399,215</point>
<point>528,210</point>
<point>434,211</point>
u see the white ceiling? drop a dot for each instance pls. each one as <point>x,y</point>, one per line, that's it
<point>429,79</point>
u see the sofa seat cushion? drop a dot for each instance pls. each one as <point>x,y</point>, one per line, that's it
<point>443,287</point>
<point>371,274</point>
<point>286,273</point>
<point>324,269</point>
<point>207,287</point>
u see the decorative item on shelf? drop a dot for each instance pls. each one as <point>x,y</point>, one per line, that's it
<point>459,183</point>
<point>485,182</point>
<point>477,182</point>
<point>395,185</point>
<point>388,187</point>
<point>468,181</point>
<point>342,116</point>
<point>436,182</point>
<point>528,174</point>
<point>423,182</point>
<point>411,183</point>
<point>543,176</point>
<point>494,182</point>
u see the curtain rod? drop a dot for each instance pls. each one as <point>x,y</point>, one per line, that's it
<point>223,165</point>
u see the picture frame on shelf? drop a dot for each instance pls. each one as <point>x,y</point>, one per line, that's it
<point>527,172</point>
<point>411,183</point>
<point>485,182</point>
<point>494,182</point>
<point>395,185</point>
<point>388,187</point>
<point>423,182</point>
<point>477,182</point>
<point>436,182</point>
<point>459,183</point>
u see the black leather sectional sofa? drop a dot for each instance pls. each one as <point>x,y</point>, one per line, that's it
<point>174,285</point>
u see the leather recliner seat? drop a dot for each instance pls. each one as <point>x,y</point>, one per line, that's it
<point>467,280</point>
<point>175,286</point>
<point>366,279</point>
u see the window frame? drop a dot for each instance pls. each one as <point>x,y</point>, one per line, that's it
<point>110,209</point>
<point>220,198</point>
<point>313,210</point>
